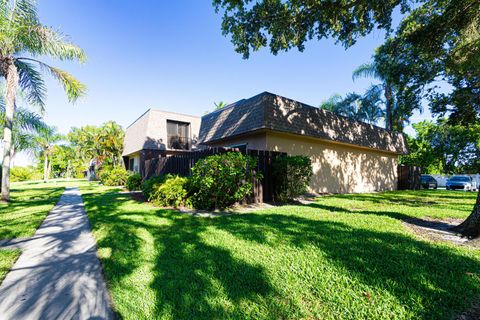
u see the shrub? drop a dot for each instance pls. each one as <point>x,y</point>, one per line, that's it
<point>171,193</point>
<point>113,176</point>
<point>291,175</point>
<point>21,174</point>
<point>134,182</point>
<point>220,180</point>
<point>147,185</point>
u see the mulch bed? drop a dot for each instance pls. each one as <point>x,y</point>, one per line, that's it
<point>440,230</point>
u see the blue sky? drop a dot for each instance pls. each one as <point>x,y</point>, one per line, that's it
<point>172,55</point>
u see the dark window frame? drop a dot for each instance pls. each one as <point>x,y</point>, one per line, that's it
<point>178,135</point>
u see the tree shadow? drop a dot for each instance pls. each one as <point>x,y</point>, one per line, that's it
<point>188,273</point>
<point>442,281</point>
<point>26,210</point>
<point>195,279</point>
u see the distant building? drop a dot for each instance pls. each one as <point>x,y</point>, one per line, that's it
<point>158,132</point>
<point>348,156</point>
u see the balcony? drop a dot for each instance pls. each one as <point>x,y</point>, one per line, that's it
<point>179,143</point>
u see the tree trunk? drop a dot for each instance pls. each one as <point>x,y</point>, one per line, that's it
<point>388,107</point>
<point>45,167</point>
<point>11,76</point>
<point>471,226</point>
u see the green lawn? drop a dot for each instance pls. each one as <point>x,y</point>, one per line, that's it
<point>30,203</point>
<point>7,259</point>
<point>342,257</point>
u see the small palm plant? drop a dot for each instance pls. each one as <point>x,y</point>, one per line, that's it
<point>44,141</point>
<point>22,40</point>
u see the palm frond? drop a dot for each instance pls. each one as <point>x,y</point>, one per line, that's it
<point>41,40</point>
<point>331,103</point>
<point>73,87</point>
<point>24,141</point>
<point>31,83</point>
<point>29,120</point>
<point>366,70</point>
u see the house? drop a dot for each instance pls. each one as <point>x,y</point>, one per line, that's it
<point>348,156</point>
<point>158,132</point>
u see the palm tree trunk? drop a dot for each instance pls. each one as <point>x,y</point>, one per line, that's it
<point>45,168</point>
<point>11,76</point>
<point>471,226</point>
<point>388,107</point>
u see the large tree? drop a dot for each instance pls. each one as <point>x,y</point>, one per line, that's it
<point>437,40</point>
<point>443,147</point>
<point>439,44</point>
<point>22,40</point>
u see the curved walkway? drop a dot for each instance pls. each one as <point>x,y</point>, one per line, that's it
<point>58,275</point>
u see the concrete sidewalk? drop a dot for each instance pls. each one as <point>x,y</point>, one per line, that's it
<point>58,275</point>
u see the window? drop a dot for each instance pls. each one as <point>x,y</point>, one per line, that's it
<point>178,135</point>
<point>131,163</point>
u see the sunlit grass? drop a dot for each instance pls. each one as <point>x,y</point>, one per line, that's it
<point>7,259</point>
<point>30,203</point>
<point>342,257</point>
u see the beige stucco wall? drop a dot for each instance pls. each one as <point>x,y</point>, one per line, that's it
<point>340,168</point>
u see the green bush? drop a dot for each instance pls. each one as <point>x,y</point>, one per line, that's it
<point>21,174</point>
<point>171,193</point>
<point>113,176</point>
<point>147,185</point>
<point>291,175</point>
<point>134,182</point>
<point>220,180</point>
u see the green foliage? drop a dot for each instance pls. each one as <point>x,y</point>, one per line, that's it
<point>220,180</point>
<point>171,193</point>
<point>147,185</point>
<point>437,42</point>
<point>283,25</point>
<point>219,105</point>
<point>366,108</point>
<point>23,38</point>
<point>134,182</point>
<point>64,162</point>
<point>21,173</point>
<point>292,176</point>
<point>444,148</point>
<point>104,144</point>
<point>113,176</point>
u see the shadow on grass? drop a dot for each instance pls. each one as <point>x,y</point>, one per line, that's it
<point>429,281</point>
<point>26,210</point>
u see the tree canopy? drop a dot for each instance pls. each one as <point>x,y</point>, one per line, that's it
<point>285,24</point>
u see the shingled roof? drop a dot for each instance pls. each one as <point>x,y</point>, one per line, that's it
<point>268,111</point>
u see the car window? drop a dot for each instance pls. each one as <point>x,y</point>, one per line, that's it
<point>459,178</point>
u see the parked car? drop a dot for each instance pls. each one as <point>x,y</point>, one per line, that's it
<point>460,183</point>
<point>428,182</point>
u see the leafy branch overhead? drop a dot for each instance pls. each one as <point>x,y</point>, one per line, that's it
<point>283,25</point>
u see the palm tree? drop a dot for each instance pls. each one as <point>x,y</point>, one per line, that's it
<point>25,124</point>
<point>371,70</point>
<point>22,39</point>
<point>371,101</point>
<point>364,108</point>
<point>332,103</point>
<point>45,140</point>
<point>220,105</point>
